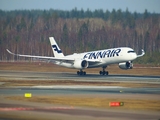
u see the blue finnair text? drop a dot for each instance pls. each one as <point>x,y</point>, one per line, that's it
<point>102,54</point>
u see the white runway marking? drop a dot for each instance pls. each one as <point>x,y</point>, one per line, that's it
<point>76,87</point>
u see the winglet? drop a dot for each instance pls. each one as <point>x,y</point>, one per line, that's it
<point>10,52</point>
<point>143,53</point>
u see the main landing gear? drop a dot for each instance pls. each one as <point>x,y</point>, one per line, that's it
<point>103,72</point>
<point>81,72</point>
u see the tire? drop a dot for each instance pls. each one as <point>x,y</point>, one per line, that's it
<point>106,72</point>
<point>100,72</point>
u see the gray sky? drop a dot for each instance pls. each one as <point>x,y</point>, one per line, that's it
<point>132,5</point>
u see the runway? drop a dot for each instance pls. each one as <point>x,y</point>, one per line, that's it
<point>19,75</point>
<point>99,114</point>
<point>75,112</point>
<point>78,89</point>
<point>50,111</point>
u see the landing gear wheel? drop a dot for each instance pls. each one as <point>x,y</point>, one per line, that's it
<point>84,73</point>
<point>106,72</point>
<point>81,73</point>
<point>103,72</point>
<point>100,72</point>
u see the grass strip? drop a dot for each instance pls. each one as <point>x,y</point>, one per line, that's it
<point>9,83</point>
<point>98,102</point>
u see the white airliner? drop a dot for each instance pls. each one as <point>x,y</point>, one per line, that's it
<point>101,58</point>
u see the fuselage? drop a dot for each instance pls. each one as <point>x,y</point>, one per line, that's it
<point>103,57</point>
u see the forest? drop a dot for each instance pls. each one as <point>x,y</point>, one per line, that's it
<point>28,32</point>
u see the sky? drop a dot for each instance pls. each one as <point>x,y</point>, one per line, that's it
<point>153,6</point>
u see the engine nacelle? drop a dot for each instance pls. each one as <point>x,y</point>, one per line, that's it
<point>80,64</point>
<point>126,65</point>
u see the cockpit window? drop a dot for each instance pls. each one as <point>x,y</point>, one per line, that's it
<point>131,51</point>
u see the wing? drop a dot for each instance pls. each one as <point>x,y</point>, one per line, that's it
<point>42,57</point>
<point>62,59</point>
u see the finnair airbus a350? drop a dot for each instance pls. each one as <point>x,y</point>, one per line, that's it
<point>101,58</point>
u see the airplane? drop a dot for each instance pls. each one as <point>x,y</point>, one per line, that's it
<point>93,59</point>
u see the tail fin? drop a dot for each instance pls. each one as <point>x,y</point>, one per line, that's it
<point>56,50</point>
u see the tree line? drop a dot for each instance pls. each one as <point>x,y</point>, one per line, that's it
<point>27,32</point>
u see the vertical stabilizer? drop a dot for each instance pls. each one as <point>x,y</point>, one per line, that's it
<point>56,50</point>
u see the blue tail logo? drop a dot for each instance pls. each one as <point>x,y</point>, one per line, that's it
<point>56,49</point>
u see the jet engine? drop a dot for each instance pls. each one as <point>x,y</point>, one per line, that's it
<point>80,64</point>
<point>126,65</point>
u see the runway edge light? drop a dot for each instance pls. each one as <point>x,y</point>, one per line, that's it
<point>28,95</point>
<point>115,104</point>
<point>121,103</point>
